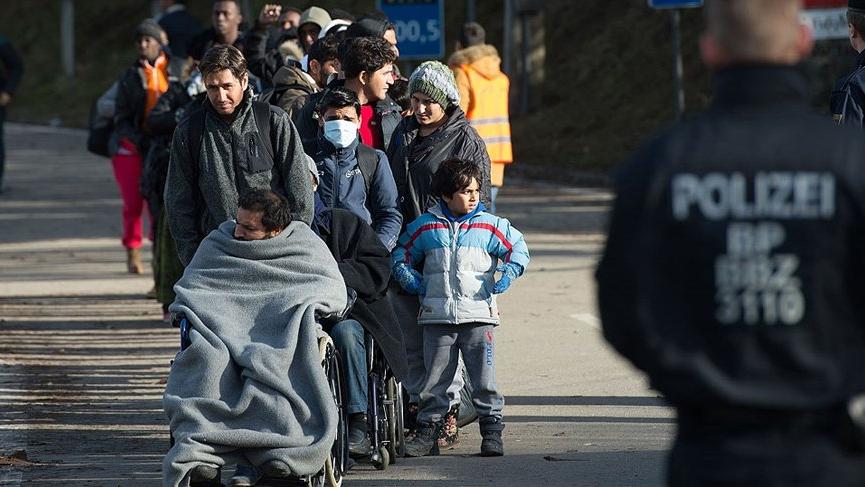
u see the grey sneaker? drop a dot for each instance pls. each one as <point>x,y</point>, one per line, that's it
<point>424,441</point>
<point>203,475</point>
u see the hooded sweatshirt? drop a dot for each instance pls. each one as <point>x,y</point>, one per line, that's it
<point>483,58</point>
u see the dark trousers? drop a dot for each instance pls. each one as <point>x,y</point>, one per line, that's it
<point>2,146</point>
<point>765,455</point>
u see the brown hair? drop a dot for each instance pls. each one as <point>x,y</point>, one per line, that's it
<point>221,57</point>
<point>857,20</point>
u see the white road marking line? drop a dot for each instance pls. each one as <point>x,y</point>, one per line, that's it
<point>588,319</point>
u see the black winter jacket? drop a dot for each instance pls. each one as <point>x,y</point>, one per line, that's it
<point>848,98</point>
<point>388,112</point>
<point>129,107</point>
<point>11,67</point>
<point>262,61</point>
<point>365,265</point>
<point>206,39</point>
<point>734,272</point>
<point>414,160</point>
<point>181,27</point>
<point>171,107</point>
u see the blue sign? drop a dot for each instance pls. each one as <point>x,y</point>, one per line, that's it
<point>675,3</point>
<point>419,27</point>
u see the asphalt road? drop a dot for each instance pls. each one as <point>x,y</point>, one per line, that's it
<point>83,355</point>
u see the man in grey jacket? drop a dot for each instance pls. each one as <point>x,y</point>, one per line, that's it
<point>227,148</point>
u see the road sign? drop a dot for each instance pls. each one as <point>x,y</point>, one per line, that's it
<point>675,3</point>
<point>419,27</point>
<point>825,3</point>
<point>828,23</point>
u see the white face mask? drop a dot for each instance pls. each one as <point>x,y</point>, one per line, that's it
<point>340,133</point>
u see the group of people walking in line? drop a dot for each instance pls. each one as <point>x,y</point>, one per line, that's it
<point>294,176</point>
<point>306,114</point>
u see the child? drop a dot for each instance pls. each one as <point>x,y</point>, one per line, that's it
<point>459,246</point>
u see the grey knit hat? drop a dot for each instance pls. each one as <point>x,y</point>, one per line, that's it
<point>436,81</point>
<point>149,27</point>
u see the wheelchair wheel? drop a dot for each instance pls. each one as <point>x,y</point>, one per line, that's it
<point>383,459</point>
<point>396,425</point>
<point>337,461</point>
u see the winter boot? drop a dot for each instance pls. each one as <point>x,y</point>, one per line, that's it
<point>276,469</point>
<point>203,475</point>
<point>424,441</point>
<point>449,437</point>
<point>411,410</point>
<point>491,445</point>
<point>133,261</point>
<point>358,438</point>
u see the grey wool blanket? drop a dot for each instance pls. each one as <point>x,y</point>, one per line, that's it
<point>250,387</point>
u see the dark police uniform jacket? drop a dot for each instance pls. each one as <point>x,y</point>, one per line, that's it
<point>734,272</point>
<point>847,102</point>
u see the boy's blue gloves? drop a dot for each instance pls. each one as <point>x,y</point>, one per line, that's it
<point>509,271</point>
<point>409,279</point>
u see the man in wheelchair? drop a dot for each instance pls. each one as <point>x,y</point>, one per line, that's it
<point>249,387</point>
<point>364,263</point>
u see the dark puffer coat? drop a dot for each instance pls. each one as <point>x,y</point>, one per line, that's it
<point>414,160</point>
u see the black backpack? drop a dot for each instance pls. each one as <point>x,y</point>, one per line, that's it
<point>99,132</point>
<point>367,162</point>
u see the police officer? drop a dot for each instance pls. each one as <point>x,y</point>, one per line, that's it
<point>848,99</point>
<point>734,270</point>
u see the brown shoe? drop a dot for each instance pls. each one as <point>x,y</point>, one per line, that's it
<point>133,261</point>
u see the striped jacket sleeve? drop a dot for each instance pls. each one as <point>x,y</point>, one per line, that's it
<point>507,243</point>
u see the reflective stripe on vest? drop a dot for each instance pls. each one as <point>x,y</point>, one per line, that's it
<point>488,112</point>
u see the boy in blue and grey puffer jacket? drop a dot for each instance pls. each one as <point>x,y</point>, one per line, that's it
<point>459,247</point>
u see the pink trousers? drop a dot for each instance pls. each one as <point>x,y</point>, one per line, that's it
<point>127,172</point>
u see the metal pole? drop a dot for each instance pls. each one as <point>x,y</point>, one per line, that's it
<point>525,74</point>
<point>470,10</point>
<point>508,41</point>
<point>67,37</point>
<point>678,71</point>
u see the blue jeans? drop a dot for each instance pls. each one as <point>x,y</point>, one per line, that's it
<point>348,337</point>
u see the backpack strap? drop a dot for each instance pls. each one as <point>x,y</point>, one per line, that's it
<point>261,114</point>
<point>194,134</point>
<point>367,162</point>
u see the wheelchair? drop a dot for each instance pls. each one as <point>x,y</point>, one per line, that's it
<point>385,412</point>
<point>337,462</point>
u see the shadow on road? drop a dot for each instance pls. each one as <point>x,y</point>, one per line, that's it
<point>81,382</point>
<point>586,401</point>
<point>566,469</point>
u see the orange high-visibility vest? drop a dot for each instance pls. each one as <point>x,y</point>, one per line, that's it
<point>488,112</point>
